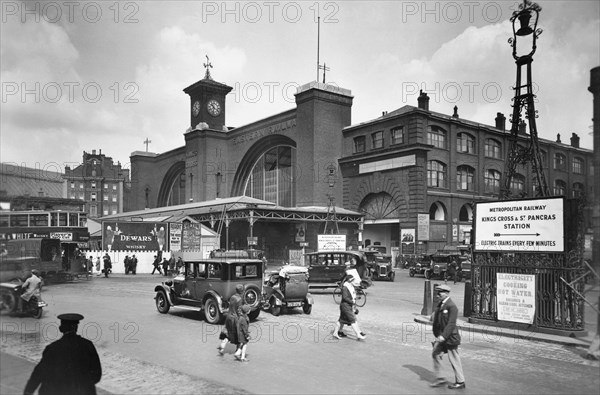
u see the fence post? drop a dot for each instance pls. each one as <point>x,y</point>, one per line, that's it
<point>467,306</point>
<point>427,301</point>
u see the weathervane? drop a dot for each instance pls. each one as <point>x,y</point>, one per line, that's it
<point>208,66</point>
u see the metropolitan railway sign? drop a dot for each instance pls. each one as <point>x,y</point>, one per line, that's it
<point>532,225</point>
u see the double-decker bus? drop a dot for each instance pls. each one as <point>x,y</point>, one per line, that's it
<point>66,230</point>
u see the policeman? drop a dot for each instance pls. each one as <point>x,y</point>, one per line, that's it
<point>69,365</point>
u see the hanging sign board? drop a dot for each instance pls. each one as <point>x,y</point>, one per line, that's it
<point>331,242</point>
<point>527,225</point>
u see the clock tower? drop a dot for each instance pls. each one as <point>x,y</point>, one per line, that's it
<point>207,101</point>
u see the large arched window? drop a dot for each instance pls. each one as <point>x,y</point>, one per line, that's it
<point>177,191</point>
<point>493,149</point>
<point>560,188</point>
<point>437,212</point>
<point>465,143</point>
<point>379,206</point>
<point>272,177</point>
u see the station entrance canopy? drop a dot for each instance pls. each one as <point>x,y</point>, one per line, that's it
<point>236,208</point>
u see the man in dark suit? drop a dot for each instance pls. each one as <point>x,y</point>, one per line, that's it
<point>447,339</point>
<point>69,365</point>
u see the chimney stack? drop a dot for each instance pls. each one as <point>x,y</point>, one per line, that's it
<point>575,140</point>
<point>558,138</point>
<point>500,121</point>
<point>423,101</point>
<point>93,152</point>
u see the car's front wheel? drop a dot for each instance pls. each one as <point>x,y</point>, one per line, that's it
<point>162,304</point>
<point>307,308</point>
<point>211,311</point>
<point>275,308</point>
<point>392,276</point>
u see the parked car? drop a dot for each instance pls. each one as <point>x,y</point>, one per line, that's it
<point>207,284</point>
<point>287,288</point>
<point>327,268</point>
<point>422,267</point>
<point>379,265</point>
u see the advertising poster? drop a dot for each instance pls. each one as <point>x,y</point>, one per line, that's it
<point>191,235</point>
<point>407,241</point>
<point>141,236</point>
<point>515,297</point>
<point>423,227</point>
<point>175,231</point>
<point>300,233</point>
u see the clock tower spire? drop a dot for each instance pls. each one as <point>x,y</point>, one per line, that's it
<point>207,101</point>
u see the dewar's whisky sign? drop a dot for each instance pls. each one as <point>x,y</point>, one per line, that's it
<point>137,236</point>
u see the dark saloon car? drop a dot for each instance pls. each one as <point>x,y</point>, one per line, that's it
<point>327,268</point>
<point>207,284</point>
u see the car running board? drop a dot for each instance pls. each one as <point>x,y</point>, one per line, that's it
<point>192,308</point>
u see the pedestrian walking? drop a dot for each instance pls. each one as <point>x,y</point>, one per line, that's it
<point>107,265</point>
<point>98,269</point>
<point>447,339</point>
<point>165,265</point>
<point>156,264</point>
<point>69,365</point>
<point>126,263</point>
<point>451,271</point>
<point>133,262</point>
<point>348,310</point>
<point>243,333</point>
<point>230,332</point>
<point>179,265</point>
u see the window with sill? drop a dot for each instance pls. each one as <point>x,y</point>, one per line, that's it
<point>465,143</point>
<point>578,190</point>
<point>493,149</point>
<point>398,135</point>
<point>560,188</point>
<point>436,136</point>
<point>359,144</point>
<point>577,165</point>
<point>517,185</point>
<point>491,180</point>
<point>377,140</point>
<point>465,175</point>
<point>560,162</point>
<point>436,174</point>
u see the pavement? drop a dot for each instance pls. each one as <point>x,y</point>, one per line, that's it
<point>572,338</point>
<point>15,370</point>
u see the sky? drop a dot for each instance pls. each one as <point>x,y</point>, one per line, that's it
<point>105,75</point>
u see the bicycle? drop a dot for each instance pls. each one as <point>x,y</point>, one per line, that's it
<point>361,296</point>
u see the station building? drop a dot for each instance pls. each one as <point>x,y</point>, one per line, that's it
<point>407,180</point>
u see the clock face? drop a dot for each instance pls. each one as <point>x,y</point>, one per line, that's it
<point>196,108</point>
<point>213,107</point>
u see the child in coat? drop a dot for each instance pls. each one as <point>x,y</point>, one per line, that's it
<point>243,332</point>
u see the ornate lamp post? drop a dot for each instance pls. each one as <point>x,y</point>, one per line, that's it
<point>526,17</point>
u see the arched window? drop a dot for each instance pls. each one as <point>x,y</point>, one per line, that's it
<point>560,188</point>
<point>493,149</point>
<point>437,212</point>
<point>436,136</point>
<point>578,190</point>
<point>577,165</point>
<point>379,206</point>
<point>491,179</point>
<point>272,177</point>
<point>466,213</point>
<point>436,174</point>
<point>177,191</point>
<point>465,143</point>
<point>464,178</point>
<point>517,185</point>
<point>560,162</point>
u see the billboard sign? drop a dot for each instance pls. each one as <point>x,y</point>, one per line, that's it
<point>527,225</point>
<point>140,236</point>
<point>331,242</point>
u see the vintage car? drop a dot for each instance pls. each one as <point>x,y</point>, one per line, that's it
<point>422,267</point>
<point>287,288</point>
<point>379,265</point>
<point>207,284</point>
<point>327,268</point>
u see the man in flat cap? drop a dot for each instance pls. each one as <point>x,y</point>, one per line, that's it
<point>69,365</point>
<point>447,339</point>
